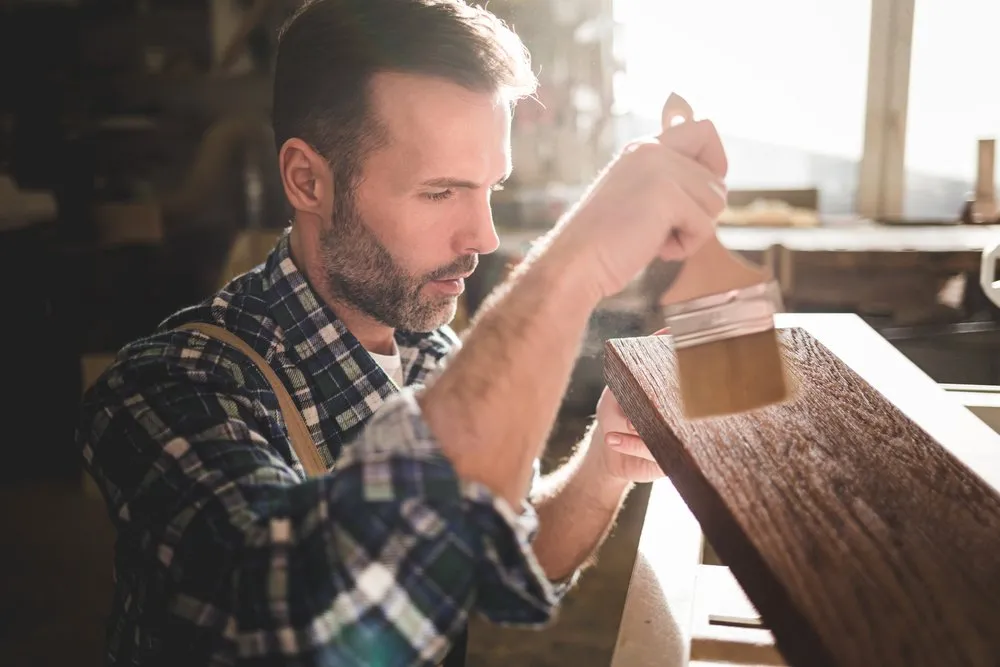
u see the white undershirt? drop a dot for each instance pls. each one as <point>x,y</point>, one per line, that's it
<point>392,364</point>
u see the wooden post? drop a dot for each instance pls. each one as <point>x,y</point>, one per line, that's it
<point>881,181</point>
<point>984,208</point>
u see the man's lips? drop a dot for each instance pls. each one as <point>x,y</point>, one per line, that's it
<point>451,286</point>
<point>461,276</point>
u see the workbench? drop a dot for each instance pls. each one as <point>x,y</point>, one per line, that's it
<point>675,584</point>
<point>906,274</point>
<point>916,284</point>
<point>837,236</point>
<point>863,236</point>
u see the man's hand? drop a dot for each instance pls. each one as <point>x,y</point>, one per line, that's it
<point>577,503</point>
<point>660,197</point>
<point>621,452</point>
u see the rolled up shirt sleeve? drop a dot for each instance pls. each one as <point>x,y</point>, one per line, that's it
<point>379,562</point>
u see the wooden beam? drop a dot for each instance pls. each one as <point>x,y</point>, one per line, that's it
<point>862,518</point>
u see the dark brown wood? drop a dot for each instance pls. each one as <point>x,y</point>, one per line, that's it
<point>860,538</point>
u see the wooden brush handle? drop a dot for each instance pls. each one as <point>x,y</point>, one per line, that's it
<point>710,270</point>
<point>713,268</point>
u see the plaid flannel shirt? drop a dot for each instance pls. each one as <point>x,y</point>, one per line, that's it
<point>227,553</point>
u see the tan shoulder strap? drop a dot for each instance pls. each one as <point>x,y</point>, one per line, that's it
<point>298,432</point>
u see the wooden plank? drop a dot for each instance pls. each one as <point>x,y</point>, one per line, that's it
<point>981,400</point>
<point>661,595</point>
<point>726,629</point>
<point>850,515</point>
<point>656,623</point>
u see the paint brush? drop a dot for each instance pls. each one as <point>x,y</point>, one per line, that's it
<point>720,311</point>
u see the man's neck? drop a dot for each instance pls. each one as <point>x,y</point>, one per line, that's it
<point>373,335</point>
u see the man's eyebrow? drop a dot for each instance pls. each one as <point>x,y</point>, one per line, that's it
<point>449,182</point>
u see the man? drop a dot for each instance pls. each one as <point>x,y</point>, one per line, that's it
<point>392,119</point>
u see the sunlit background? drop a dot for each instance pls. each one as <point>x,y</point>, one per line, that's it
<point>786,83</point>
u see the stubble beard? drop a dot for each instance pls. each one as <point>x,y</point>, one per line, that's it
<point>361,272</point>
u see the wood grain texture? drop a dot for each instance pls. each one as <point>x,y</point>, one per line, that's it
<point>860,538</point>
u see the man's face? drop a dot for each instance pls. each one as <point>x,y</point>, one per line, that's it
<point>400,248</point>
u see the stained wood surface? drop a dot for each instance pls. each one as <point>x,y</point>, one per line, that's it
<point>853,522</point>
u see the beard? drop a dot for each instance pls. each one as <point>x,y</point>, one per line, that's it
<point>361,272</point>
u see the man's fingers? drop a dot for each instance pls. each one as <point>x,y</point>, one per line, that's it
<point>693,225</point>
<point>712,154</point>
<point>630,445</point>
<point>700,184</point>
<point>700,141</point>
<point>695,198</point>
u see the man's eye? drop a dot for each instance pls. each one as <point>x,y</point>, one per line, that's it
<point>439,196</point>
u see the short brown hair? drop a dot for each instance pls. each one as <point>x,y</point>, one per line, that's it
<point>330,49</point>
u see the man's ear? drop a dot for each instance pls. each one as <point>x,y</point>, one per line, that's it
<point>307,178</point>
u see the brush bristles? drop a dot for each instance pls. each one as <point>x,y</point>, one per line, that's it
<point>731,376</point>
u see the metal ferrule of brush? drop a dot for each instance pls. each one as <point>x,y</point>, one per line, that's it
<point>725,315</point>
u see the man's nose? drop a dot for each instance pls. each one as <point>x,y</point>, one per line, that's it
<point>480,236</point>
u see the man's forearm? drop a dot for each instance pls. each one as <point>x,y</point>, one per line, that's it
<point>492,408</point>
<point>577,505</point>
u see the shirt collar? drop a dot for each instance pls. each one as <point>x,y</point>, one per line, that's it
<point>337,366</point>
